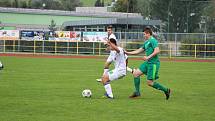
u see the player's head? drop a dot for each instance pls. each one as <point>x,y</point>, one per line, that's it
<point>110,30</point>
<point>147,32</point>
<point>113,41</point>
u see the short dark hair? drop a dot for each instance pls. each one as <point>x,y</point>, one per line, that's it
<point>112,40</point>
<point>147,29</point>
<point>110,27</point>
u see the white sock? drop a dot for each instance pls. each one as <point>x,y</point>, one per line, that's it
<point>108,89</point>
<point>105,71</point>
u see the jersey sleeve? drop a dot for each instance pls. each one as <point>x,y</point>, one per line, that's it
<point>122,52</point>
<point>154,44</point>
<point>112,36</point>
<point>110,58</point>
<point>126,56</point>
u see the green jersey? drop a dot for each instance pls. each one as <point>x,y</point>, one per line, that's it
<point>149,46</point>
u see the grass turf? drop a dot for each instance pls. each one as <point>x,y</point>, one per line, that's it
<point>43,89</point>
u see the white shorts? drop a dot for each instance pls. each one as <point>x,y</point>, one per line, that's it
<point>115,74</point>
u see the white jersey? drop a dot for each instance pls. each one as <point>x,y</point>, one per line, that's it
<point>119,60</point>
<point>112,36</point>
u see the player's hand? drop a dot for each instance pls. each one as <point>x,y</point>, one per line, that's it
<point>108,41</point>
<point>105,43</point>
<point>145,58</point>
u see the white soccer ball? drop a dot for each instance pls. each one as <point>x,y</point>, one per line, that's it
<point>1,66</point>
<point>86,93</point>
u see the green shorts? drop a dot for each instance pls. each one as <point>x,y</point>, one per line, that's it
<point>150,69</point>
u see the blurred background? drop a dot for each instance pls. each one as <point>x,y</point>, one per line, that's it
<point>182,27</point>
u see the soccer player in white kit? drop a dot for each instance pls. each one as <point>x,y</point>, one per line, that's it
<point>110,35</point>
<point>118,57</point>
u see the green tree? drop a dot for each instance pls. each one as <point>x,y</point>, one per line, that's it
<point>70,5</point>
<point>99,3</point>
<point>103,3</point>
<point>5,3</point>
<point>120,6</point>
<point>136,6</point>
<point>1,27</point>
<point>132,5</point>
<point>178,15</point>
<point>15,4</point>
<point>52,26</point>
<point>126,6</point>
<point>144,7</point>
<point>38,4</point>
<point>29,3</point>
<point>23,4</point>
<point>208,20</point>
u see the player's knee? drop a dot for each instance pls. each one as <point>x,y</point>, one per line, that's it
<point>135,74</point>
<point>150,83</point>
<point>105,79</point>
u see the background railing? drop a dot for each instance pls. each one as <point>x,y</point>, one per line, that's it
<point>168,49</point>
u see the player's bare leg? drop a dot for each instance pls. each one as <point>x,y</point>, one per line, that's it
<point>128,69</point>
<point>107,86</point>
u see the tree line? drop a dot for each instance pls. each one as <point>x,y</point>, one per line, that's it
<point>176,15</point>
<point>67,5</point>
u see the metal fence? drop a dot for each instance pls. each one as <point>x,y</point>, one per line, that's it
<point>166,37</point>
<point>171,45</point>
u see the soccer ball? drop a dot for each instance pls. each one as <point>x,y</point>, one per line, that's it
<point>1,66</point>
<point>86,93</point>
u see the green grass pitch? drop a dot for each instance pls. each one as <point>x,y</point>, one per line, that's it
<point>44,89</point>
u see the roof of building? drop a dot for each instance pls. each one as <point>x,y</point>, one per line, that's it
<point>108,21</point>
<point>36,19</point>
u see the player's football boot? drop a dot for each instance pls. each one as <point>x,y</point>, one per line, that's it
<point>99,80</point>
<point>135,95</point>
<point>167,94</point>
<point>130,70</point>
<point>107,96</point>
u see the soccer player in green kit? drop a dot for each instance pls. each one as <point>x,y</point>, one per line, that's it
<point>151,65</point>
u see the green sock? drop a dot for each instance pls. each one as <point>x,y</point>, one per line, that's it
<point>158,86</point>
<point>137,84</point>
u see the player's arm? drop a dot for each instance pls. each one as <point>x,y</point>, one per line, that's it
<point>156,51</point>
<point>135,52</point>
